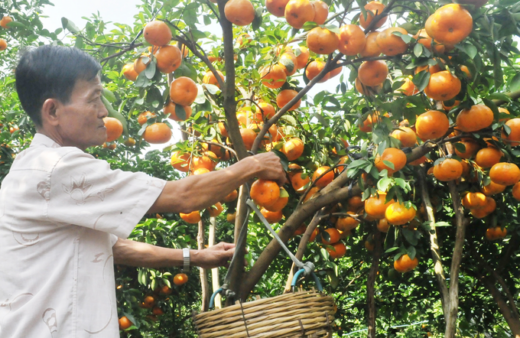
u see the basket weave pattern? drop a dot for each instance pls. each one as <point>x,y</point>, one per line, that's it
<point>301,314</point>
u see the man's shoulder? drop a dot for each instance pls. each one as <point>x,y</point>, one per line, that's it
<point>47,158</point>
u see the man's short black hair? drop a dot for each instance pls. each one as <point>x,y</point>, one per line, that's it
<point>51,72</point>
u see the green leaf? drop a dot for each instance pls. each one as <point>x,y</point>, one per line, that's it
<point>257,21</point>
<point>109,95</point>
<point>392,249</point>
<point>212,89</point>
<point>421,80</point>
<point>180,112</point>
<point>515,83</point>
<point>389,164</point>
<point>442,224</point>
<point>411,252</point>
<point>150,70</point>
<point>80,43</point>
<point>461,148</point>
<point>410,236</point>
<point>406,38</point>
<point>418,50</point>
<point>469,49</point>
<point>383,184</point>
<point>499,96</point>
<point>69,25</point>
<point>288,63</point>
<point>493,107</point>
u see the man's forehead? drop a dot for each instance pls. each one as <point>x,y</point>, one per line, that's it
<point>88,86</point>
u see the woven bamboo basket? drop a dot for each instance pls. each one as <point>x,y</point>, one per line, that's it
<point>305,314</point>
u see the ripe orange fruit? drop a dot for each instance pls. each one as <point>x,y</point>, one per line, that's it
<point>477,117</point>
<point>273,76</point>
<point>180,161</point>
<point>130,142</point>
<point>208,160</point>
<point>514,136</point>
<point>322,41</point>
<point>366,90</point>
<point>302,58</point>
<point>300,183</point>
<point>338,250</point>
<point>248,136</point>
<point>395,156</point>
<point>129,72</point>
<point>493,188</point>
<point>169,111</point>
<point>372,73</point>
<point>373,8</point>
<point>314,68</point>
<point>148,302</point>
<point>183,91</point>
<point>157,133</point>
<point>180,278</point>
<point>144,116</point>
<point>243,39</point>
<point>406,136</point>
<point>293,149</point>
<point>157,311</point>
<point>346,223</point>
<point>431,69</point>
<point>516,191</point>
<point>369,122</point>
<point>334,72</point>
<point>239,12</point>
<point>280,203</point>
<point>352,40</point>
<point>375,206</point>
<point>424,39</point>
<point>474,200</point>
<point>442,86</point>
<point>391,44</point>
<point>124,323</point>
<point>272,216</point>
<point>141,63</point>
<point>450,24</point>
<point>371,46</point>
<point>321,11</point>
<point>209,78</point>
<point>192,217</point>
<point>265,192</point>
<point>215,210</point>
<point>488,157</point>
<point>231,217</point>
<point>300,230</point>
<point>408,88</point>
<point>5,21</point>
<point>313,235</point>
<point>285,96</point>
<point>505,173</point>
<point>471,148</point>
<point>503,111</point>
<point>114,128</point>
<point>169,58</point>
<point>265,112</point>
<point>276,7</point>
<point>334,236</point>
<point>399,214</point>
<point>157,33</point>
<point>231,196</point>
<point>325,180</point>
<point>432,125</point>
<point>496,233</point>
<point>298,12</point>
<point>355,203</point>
<point>383,225</point>
<point>448,170</point>
<point>405,263</point>
<point>200,171</point>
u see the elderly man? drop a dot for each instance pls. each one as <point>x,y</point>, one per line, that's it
<point>65,216</point>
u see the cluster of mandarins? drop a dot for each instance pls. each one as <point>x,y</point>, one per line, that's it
<point>150,301</point>
<point>3,23</point>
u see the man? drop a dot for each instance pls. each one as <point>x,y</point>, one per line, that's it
<point>65,216</point>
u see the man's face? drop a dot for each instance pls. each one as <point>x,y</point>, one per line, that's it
<point>81,120</point>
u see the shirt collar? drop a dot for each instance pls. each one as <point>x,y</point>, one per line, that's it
<point>40,140</point>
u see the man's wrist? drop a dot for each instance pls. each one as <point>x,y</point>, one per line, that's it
<point>195,257</point>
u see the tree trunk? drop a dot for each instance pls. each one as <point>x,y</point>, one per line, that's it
<point>215,281</point>
<point>511,319</point>
<point>434,244</point>
<point>371,281</point>
<point>203,272</point>
<point>453,300</point>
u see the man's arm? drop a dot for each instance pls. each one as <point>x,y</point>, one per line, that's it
<point>132,253</point>
<point>202,191</point>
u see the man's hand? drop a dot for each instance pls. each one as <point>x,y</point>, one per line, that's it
<point>214,256</point>
<point>270,167</point>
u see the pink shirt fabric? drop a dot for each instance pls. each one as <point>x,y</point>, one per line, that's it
<point>61,211</point>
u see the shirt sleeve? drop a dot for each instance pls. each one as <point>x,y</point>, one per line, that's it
<point>84,191</point>
<point>113,239</point>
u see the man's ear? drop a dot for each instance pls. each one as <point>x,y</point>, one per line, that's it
<point>49,112</point>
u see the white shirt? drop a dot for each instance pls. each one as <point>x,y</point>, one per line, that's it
<point>61,211</point>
